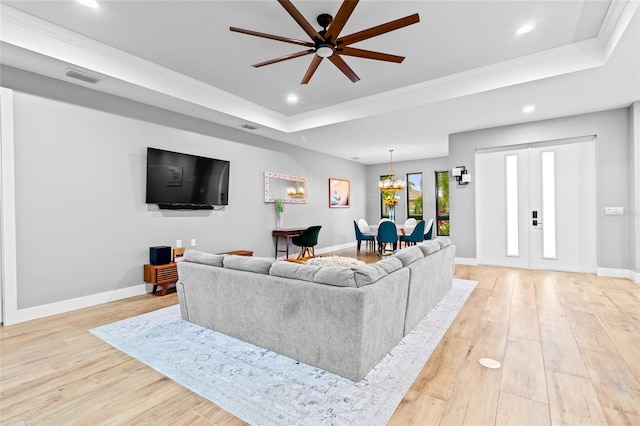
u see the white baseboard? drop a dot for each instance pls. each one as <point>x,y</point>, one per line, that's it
<point>619,273</point>
<point>336,248</point>
<point>36,312</point>
<point>466,261</point>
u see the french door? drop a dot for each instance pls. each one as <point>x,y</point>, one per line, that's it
<point>536,206</point>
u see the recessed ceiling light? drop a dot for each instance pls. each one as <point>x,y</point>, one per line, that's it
<point>89,3</point>
<point>292,99</point>
<point>525,29</point>
<point>528,109</point>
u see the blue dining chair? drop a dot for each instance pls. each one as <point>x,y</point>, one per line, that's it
<point>387,234</point>
<point>415,237</point>
<point>370,239</point>
<point>428,230</point>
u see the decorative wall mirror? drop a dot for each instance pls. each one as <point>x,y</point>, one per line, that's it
<point>291,189</point>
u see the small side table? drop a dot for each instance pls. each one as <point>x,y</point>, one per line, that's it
<point>161,275</point>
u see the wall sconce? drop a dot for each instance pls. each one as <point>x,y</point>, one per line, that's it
<point>461,174</point>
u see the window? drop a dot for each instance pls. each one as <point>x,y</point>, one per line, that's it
<point>442,203</point>
<point>414,195</point>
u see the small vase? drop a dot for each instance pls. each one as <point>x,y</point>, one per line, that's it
<point>392,213</point>
<point>279,219</point>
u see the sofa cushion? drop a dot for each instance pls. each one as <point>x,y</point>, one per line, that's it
<point>335,275</point>
<point>196,256</point>
<point>443,241</point>
<point>368,274</point>
<point>428,247</point>
<point>409,255</point>
<point>258,265</point>
<point>293,270</point>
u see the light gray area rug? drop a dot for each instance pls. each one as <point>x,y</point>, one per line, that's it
<point>265,388</point>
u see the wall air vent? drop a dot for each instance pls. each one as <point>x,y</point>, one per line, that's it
<point>249,127</point>
<point>81,75</point>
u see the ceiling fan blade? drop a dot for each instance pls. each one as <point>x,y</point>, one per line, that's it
<point>342,66</point>
<point>272,37</point>
<point>368,54</point>
<point>297,16</point>
<point>284,58</point>
<point>340,20</point>
<point>379,29</point>
<point>312,68</point>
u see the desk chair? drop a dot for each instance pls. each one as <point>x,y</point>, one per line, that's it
<point>307,240</point>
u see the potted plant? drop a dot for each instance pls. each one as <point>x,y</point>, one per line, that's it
<point>279,207</point>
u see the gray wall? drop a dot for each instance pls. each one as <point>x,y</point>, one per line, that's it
<point>612,176</point>
<point>427,167</point>
<point>634,186</point>
<point>83,226</point>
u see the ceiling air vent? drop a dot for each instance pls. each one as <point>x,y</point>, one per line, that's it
<point>249,127</point>
<point>81,75</point>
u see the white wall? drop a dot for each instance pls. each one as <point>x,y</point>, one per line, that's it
<point>612,177</point>
<point>82,225</point>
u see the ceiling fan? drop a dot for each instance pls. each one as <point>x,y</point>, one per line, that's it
<point>327,43</point>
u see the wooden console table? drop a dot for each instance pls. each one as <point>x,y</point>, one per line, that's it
<point>167,274</point>
<point>161,275</point>
<point>287,234</point>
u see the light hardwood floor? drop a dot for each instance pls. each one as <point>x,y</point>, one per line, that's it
<point>569,345</point>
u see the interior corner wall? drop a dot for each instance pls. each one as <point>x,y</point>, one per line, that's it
<point>427,167</point>
<point>612,176</point>
<point>634,190</point>
<point>83,227</point>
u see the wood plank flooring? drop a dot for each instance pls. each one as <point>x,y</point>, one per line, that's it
<point>569,345</point>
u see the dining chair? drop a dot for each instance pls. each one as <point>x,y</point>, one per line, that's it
<point>387,234</point>
<point>411,222</point>
<point>364,227</point>
<point>428,230</point>
<point>415,237</point>
<point>384,219</point>
<point>360,236</point>
<point>307,240</point>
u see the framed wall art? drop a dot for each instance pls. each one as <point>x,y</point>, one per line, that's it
<point>339,193</point>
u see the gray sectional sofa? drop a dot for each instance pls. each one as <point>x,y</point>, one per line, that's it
<point>343,320</point>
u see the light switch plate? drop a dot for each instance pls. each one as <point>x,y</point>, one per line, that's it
<point>614,211</point>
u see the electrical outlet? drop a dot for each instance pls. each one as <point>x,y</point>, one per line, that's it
<point>178,243</point>
<point>193,242</point>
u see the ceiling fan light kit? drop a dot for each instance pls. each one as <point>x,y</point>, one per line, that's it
<point>327,43</point>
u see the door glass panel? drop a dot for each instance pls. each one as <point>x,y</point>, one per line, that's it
<point>548,205</point>
<point>511,183</point>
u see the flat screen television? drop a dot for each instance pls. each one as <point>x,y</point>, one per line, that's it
<point>184,181</point>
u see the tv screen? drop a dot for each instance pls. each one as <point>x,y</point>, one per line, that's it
<point>176,180</point>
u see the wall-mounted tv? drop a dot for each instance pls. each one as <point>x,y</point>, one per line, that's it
<point>184,181</point>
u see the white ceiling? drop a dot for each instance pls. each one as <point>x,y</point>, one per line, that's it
<point>465,67</point>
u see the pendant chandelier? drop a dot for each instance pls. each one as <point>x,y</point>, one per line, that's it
<point>390,183</point>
